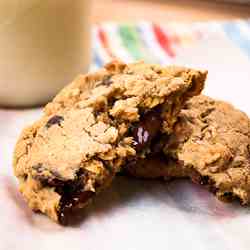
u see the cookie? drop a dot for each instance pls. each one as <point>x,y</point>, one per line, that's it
<point>210,145</point>
<point>93,127</point>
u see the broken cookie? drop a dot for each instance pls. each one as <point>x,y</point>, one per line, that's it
<point>210,145</point>
<point>93,127</point>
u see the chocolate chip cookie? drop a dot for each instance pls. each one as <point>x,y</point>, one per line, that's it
<point>93,127</point>
<point>210,145</point>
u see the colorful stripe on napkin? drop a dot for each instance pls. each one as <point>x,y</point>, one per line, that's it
<point>160,43</point>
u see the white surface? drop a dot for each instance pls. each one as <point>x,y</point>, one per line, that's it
<point>134,214</point>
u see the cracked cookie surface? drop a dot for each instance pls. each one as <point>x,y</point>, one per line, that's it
<point>94,126</point>
<point>211,145</point>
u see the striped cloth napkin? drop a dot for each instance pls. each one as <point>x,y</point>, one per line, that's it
<point>140,214</point>
<point>161,43</point>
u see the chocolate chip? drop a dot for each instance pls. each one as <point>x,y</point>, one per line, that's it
<point>67,205</point>
<point>72,194</point>
<point>158,143</point>
<point>228,196</point>
<point>204,180</point>
<point>159,71</point>
<point>51,182</point>
<point>107,81</point>
<point>199,179</point>
<point>146,130</point>
<point>25,177</point>
<point>47,177</point>
<point>57,119</point>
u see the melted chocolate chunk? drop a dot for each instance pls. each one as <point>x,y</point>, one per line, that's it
<point>204,180</point>
<point>57,119</point>
<point>228,195</point>
<point>47,177</point>
<point>158,143</point>
<point>199,179</point>
<point>146,130</point>
<point>67,204</point>
<point>73,194</point>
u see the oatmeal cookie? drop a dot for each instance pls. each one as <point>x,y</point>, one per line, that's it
<point>210,145</point>
<point>94,126</point>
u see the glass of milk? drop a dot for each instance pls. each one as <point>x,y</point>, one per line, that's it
<point>44,45</point>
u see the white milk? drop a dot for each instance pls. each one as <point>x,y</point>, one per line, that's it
<point>44,44</point>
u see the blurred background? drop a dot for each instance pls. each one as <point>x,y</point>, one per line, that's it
<point>170,10</point>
